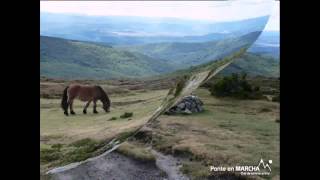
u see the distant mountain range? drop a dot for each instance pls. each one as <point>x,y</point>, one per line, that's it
<point>268,44</point>
<point>127,31</point>
<point>73,59</point>
<point>122,30</point>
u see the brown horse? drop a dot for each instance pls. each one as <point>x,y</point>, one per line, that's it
<point>85,93</point>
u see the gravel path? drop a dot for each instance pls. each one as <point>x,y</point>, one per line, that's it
<point>113,166</point>
<point>170,165</point>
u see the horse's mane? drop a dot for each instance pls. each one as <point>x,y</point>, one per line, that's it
<point>104,97</point>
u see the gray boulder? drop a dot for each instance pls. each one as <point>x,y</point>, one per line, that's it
<point>188,105</point>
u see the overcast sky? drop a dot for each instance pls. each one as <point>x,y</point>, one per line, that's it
<point>196,10</point>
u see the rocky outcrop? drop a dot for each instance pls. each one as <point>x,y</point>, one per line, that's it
<point>188,105</point>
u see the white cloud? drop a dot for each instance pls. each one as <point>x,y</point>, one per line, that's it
<point>274,20</point>
<point>199,10</point>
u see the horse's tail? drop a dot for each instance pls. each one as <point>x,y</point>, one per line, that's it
<point>64,101</point>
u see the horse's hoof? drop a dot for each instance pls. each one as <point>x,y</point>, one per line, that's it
<point>96,112</point>
<point>65,113</point>
<point>84,112</point>
<point>73,113</point>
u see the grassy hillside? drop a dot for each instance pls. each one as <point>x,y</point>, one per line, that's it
<point>254,65</point>
<point>267,50</point>
<point>250,63</point>
<point>183,55</point>
<point>69,59</point>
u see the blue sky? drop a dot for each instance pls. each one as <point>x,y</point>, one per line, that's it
<point>196,10</point>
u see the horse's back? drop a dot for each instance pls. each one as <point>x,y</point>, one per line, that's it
<point>83,92</point>
<point>74,88</point>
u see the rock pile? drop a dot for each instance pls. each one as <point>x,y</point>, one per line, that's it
<point>189,104</point>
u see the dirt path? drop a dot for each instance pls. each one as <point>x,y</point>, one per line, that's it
<point>115,166</point>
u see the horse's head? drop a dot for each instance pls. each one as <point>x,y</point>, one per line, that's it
<point>106,107</point>
<point>104,99</point>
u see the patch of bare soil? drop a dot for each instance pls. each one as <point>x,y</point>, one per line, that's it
<point>127,102</point>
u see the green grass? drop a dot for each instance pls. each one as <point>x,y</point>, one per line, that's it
<point>136,151</point>
<point>196,170</point>
<point>62,154</point>
<point>49,155</point>
<point>81,150</point>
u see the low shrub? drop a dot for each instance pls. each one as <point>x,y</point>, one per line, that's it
<point>113,118</point>
<point>276,98</point>
<point>126,115</point>
<point>235,86</point>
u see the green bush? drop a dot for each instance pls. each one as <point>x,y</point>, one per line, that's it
<point>113,118</point>
<point>235,86</point>
<point>126,115</point>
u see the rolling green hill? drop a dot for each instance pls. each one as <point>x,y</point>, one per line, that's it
<point>254,65</point>
<point>183,55</point>
<point>68,59</point>
<point>250,63</point>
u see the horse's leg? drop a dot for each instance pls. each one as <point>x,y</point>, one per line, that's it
<point>66,110</point>
<point>95,106</point>
<point>68,104</point>
<point>71,107</point>
<point>86,106</point>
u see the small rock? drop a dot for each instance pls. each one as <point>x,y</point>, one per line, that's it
<point>181,105</point>
<point>187,111</point>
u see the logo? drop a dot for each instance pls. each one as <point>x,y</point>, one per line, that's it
<point>265,165</point>
<point>263,168</point>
